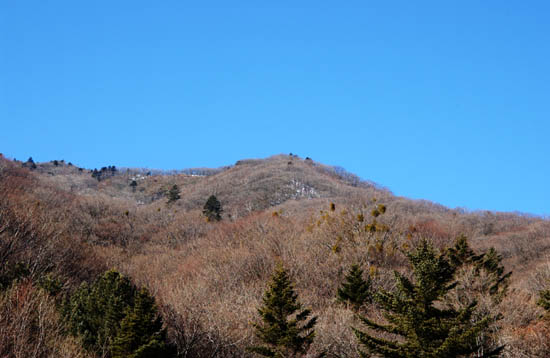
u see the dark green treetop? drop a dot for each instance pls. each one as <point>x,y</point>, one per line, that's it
<point>416,312</point>
<point>112,317</point>
<point>496,283</point>
<point>544,300</point>
<point>133,184</point>
<point>212,209</point>
<point>140,334</point>
<point>355,290</point>
<point>173,194</point>
<point>30,163</point>
<point>284,330</point>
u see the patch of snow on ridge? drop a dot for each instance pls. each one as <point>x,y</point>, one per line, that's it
<point>303,190</point>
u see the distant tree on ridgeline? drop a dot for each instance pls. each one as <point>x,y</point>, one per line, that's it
<point>104,172</point>
<point>30,163</point>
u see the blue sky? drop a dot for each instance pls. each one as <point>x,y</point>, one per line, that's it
<point>442,100</point>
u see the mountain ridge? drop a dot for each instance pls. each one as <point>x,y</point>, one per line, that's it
<point>74,224</point>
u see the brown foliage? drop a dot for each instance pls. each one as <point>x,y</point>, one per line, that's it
<point>34,229</point>
<point>210,276</point>
<point>30,326</point>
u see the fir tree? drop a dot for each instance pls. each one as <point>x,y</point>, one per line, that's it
<point>174,194</point>
<point>96,174</point>
<point>30,163</point>
<point>415,312</point>
<point>141,334</point>
<point>94,312</point>
<point>491,263</point>
<point>544,300</point>
<point>285,329</point>
<point>112,316</point>
<point>355,290</point>
<point>461,255</point>
<point>212,209</point>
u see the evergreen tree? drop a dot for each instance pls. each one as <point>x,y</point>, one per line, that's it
<point>30,163</point>
<point>112,316</point>
<point>94,312</point>
<point>213,209</point>
<point>174,194</point>
<point>9,273</point>
<point>96,174</point>
<point>461,255</point>
<point>355,290</point>
<point>490,262</point>
<point>285,329</point>
<point>544,300</point>
<point>416,312</point>
<point>141,334</point>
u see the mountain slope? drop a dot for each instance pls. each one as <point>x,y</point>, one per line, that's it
<point>210,276</point>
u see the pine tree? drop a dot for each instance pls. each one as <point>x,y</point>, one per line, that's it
<point>544,300</point>
<point>94,312</point>
<point>30,163</point>
<point>212,209</point>
<point>496,283</point>
<point>461,253</point>
<point>113,316</point>
<point>416,312</point>
<point>355,290</point>
<point>174,194</point>
<point>141,334</point>
<point>285,329</point>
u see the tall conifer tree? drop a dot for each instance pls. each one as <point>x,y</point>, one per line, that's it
<point>415,312</point>
<point>355,290</point>
<point>174,194</point>
<point>115,319</point>
<point>141,334</point>
<point>285,329</point>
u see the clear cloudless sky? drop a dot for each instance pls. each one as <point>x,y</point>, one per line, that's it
<point>441,100</point>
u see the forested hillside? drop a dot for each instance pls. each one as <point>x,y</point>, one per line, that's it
<point>125,262</point>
